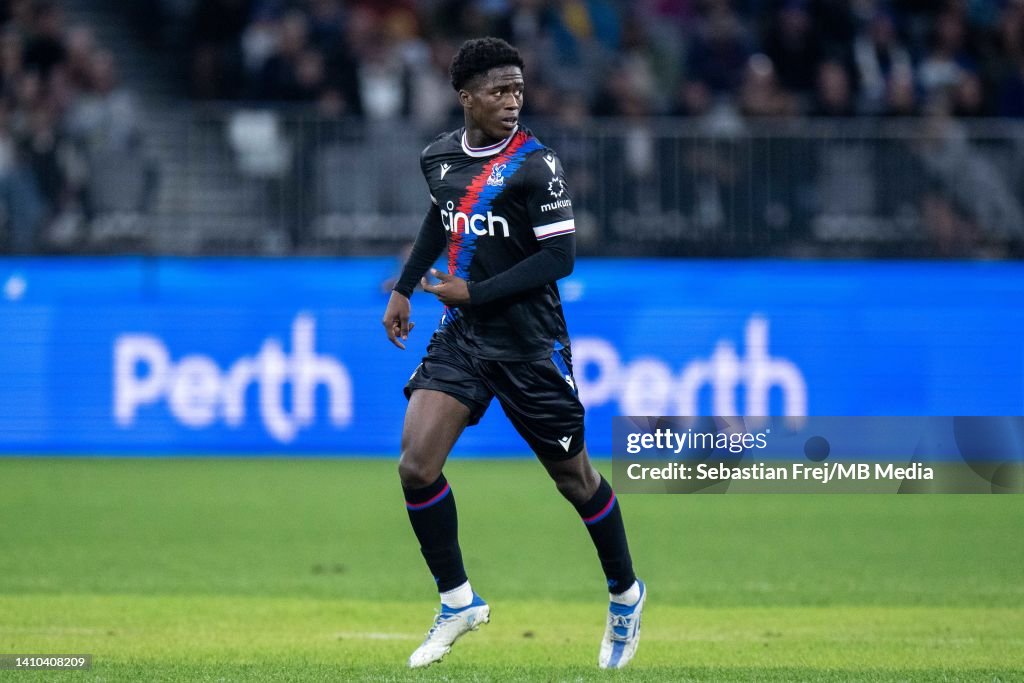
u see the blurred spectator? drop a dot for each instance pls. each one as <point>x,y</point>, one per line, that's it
<point>1010,98</point>
<point>431,89</point>
<point>104,125</point>
<point>582,27</point>
<point>17,15</point>
<point>835,25</point>
<point>11,61</point>
<point>583,39</point>
<point>105,117</point>
<point>901,93</point>
<point>793,47</point>
<point>524,22</point>
<point>720,49</point>
<point>257,44</point>
<point>21,206</point>
<point>45,49</point>
<point>374,59</point>
<point>710,115</point>
<point>964,176</point>
<point>760,94</point>
<point>834,96</point>
<point>675,13</point>
<point>622,94</point>
<point>218,26</point>
<point>81,46</point>
<point>968,98</point>
<point>651,57</point>
<point>384,74</point>
<point>693,99</point>
<point>326,23</point>
<point>947,60</point>
<point>63,121</point>
<point>294,71</point>
<point>57,169</point>
<point>877,55</point>
<point>1010,30</point>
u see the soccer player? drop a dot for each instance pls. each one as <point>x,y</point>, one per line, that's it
<point>501,209</point>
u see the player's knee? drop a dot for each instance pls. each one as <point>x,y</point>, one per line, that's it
<point>572,486</point>
<point>415,474</point>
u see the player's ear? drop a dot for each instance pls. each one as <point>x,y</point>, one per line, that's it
<point>465,99</point>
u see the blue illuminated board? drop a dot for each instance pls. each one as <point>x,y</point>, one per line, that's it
<point>175,356</point>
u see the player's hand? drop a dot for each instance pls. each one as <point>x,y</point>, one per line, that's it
<point>451,290</point>
<point>396,319</point>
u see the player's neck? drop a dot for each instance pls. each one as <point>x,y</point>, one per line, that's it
<point>477,139</point>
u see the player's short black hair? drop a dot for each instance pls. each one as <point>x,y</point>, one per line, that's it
<point>480,55</point>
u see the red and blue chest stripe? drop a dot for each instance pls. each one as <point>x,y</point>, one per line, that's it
<point>479,198</point>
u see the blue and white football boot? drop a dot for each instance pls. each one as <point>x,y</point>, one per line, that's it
<point>622,635</point>
<point>449,625</point>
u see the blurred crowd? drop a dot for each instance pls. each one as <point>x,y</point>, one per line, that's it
<point>750,73</point>
<point>62,116</point>
<point>759,58</point>
<point>725,63</point>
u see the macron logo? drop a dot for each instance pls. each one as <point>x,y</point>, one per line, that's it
<point>565,441</point>
<point>550,161</point>
<point>444,170</point>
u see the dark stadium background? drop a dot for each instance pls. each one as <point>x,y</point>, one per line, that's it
<point>793,128</point>
<point>832,190</point>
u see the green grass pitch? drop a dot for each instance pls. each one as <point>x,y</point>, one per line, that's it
<point>296,570</point>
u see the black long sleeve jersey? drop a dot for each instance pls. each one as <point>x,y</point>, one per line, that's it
<point>504,215</point>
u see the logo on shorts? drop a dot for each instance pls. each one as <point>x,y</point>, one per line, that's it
<point>565,441</point>
<point>444,169</point>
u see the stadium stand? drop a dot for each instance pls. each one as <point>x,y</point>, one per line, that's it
<point>705,127</point>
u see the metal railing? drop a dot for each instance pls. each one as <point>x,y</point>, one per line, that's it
<point>285,181</point>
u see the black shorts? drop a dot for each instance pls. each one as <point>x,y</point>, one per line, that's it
<point>539,397</point>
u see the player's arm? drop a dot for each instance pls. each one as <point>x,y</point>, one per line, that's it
<point>550,211</point>
<point>555,260</point>
<point>430,242</point>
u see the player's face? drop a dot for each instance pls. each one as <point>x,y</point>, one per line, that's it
<point>493,102</point>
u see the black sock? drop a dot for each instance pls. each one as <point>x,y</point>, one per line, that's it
<point>603,518</point>
<point>436,523</point>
